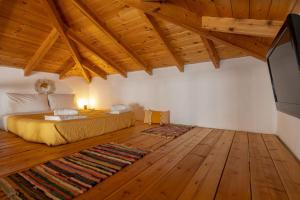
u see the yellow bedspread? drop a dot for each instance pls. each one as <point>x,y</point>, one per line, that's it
<point>35,129</point>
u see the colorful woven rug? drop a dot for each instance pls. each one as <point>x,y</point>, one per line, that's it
<point>169,130</point>
<point>70,176</point>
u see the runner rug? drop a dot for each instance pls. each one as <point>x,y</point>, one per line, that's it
<point>169,130</point>
<point>70,176</point>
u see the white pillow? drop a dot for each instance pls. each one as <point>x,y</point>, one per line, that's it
<point>62,101</point>
<point>119,107</point>
<point>26,103</point>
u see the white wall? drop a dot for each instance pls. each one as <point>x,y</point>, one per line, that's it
<point>237,96</point>
<point>13,80</point>
<point>288,129</point>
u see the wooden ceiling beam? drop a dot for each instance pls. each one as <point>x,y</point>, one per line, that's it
<point>212,52</point>
<point>86,73</point>
<point>150,20</point>
<point>88,47</point>
<point>67,66</point>
<point>191,21</point>
<point>103,28</point>
<point>251,27</point>
<point>57,22</point>
<point>91,67</point>
<point>41,52</point>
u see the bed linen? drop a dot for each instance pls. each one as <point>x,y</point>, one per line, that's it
<point>33,127</point>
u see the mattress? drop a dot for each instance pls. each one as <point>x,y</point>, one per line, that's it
<point>33,127</point>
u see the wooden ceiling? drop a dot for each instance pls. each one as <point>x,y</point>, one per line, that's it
<point>101,37</point>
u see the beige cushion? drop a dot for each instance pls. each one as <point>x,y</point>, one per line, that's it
<point>148,116</point>
<point>22,103</point>
<point>62,101</point>
<point>164,117</point>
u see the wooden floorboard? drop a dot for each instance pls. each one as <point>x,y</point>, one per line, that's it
<point>205,181</point>
<point>235,181</point>
<point>110,185</point>
<point>169,187</point>
<point>151,175</point>
<point>265,181</point>
<point>287,166</point>
<point>201,164</point>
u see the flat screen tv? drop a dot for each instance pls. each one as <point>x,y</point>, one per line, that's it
<point>284,66</point>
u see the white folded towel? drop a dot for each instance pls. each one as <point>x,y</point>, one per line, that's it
<point>65,112</point>
<point>63,117</point>
<point>116,112</point>
<point>119,107</point>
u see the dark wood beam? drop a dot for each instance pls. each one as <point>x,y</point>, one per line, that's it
<point>150,20</point>
<point>57,22</point>
<point>212,52</point>
<point>103,28</point>
<point>191,21</point>
<point>67,66</point>
<point>41,52</point>
<point>91,67</point>
<point>89,48</point>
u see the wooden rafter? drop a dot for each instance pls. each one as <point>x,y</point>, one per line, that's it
<point>41,52</point>
<point>87,74</point>
<point>192,22</point>
<point>57,22</point>
<point>67,66</point>
<point>252,27</point>
<point>91,67</point>
<point>212,52</point>
<point>88,47</point>
<point>103,28</point>
<point>165,42</point>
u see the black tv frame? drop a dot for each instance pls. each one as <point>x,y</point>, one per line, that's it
<point>292,19</point>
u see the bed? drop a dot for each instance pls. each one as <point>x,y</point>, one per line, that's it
<point>33,127</point>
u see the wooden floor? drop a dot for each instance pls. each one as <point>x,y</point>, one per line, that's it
<point>202,164</point>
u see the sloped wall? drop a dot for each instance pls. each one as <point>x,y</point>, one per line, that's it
<point>237,96</point>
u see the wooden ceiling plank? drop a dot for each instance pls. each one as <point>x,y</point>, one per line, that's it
<point>296,7</point>
<point>102,27</point>
<point>150,20</point>
<point>224,8</point>
<point>212,52</point>
<point>279,9</point>
<point>240,8</point>
<point>88,47</point>
<point>259,9</point>
<point>57,22</point>
<point>192,22</point>
<point>67,66</point>
<point>41,52</point>
<point>91,67</point>
<point>251,27</point>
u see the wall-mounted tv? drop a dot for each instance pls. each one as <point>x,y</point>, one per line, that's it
<point>284,66</point>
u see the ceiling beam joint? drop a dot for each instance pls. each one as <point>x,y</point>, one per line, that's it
<point>150,20</point>
<point>103,28</point>
<point>192,22</point>
<point>41,52</point>
<point>89,48</point>
<point>212,52</point>
<point>57,22</point>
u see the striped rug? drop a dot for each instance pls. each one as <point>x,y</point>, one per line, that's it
<point>70,176</point>
<point>169,130</point>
